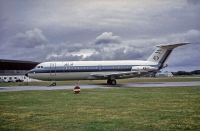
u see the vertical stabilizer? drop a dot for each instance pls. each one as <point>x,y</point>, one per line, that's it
<point>161,54</point>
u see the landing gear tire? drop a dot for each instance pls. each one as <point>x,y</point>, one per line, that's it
<point>111,82</point>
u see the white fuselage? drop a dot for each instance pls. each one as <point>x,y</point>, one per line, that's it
<point>90,70</point>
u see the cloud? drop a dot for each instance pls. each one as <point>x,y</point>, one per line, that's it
<point>140,48</point>
<point>117,54</point>
<point>189,36</point>
<point>194,2</point>
<point>73,55</point>
<point>29,39</point>
<point>107,38</point>
<point>143,47</point>
<point>86,30</point>
<point>63,56</point>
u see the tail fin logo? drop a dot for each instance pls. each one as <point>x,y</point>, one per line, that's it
<point>159,51</point>
<point>155,58</point>
<point>161,54</point>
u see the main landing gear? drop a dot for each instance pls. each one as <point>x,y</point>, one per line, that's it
<point>111,82</point>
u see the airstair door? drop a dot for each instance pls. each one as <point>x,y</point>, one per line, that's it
<point>52,69</point>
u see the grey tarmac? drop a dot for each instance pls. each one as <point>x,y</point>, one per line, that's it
<point>90,86</point>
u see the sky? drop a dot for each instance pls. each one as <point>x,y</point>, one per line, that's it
<point>41,30</point>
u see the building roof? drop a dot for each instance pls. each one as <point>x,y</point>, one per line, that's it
<point>16,64</point>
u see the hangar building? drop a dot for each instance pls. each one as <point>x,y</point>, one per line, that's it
<point>14,70</point>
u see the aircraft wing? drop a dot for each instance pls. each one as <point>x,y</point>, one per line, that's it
<point>116,74</point>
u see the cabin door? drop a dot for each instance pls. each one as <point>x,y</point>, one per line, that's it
<point>52,69</point>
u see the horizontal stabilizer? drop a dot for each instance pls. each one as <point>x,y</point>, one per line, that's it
<point>171,46</point>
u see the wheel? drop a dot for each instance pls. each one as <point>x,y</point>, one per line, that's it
<point>113,82</point>
<point>109,81</point>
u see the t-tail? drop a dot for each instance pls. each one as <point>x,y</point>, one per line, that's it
<point>162,53</point>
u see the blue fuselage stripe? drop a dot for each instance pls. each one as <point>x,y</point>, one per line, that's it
<point>82,69</point>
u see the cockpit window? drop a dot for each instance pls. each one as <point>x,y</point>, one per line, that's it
<point>39,66</point>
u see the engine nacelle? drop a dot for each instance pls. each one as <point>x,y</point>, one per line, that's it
<point>143,68</point>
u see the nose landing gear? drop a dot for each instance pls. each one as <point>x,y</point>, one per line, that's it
<point>53,84</point>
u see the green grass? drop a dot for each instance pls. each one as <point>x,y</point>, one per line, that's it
<point>175,108</point>
<point>143,79</point>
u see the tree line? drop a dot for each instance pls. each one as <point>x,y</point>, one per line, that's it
<point>195,72</point>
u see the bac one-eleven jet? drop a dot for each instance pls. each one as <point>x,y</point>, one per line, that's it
<point>100,70</point>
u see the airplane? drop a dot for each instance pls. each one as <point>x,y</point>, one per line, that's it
<point>103,70</point>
